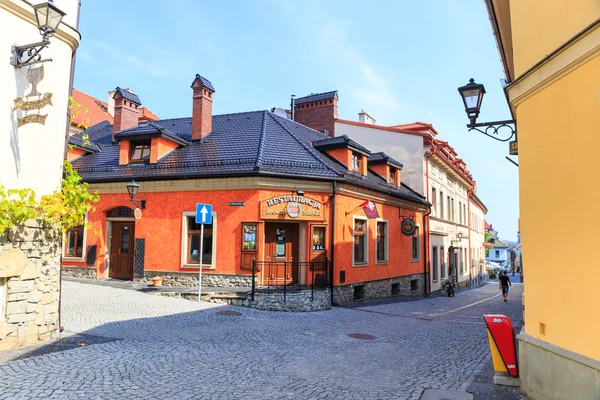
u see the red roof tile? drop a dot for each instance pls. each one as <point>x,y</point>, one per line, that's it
<point>146,115</point>
<point>88,111</point>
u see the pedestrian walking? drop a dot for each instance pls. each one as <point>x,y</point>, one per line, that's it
<point>504,284</point>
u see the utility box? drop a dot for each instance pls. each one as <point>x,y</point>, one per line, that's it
<point>503,347</point>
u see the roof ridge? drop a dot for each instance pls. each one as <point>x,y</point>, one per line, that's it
<point>310,150</point>
<point>260,156</point>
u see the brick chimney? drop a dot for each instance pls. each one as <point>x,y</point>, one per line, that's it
<point>126,109</point>
<point>202,107</point>
<point>318,111</point>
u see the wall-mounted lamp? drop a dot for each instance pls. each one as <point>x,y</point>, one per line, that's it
<point>472,96</point>
<point>48,18</point>
<point>132,189</point>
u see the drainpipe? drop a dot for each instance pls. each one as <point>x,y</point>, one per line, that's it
<point>71,78</point>
<point>469,195</point>
<point>332,241</point>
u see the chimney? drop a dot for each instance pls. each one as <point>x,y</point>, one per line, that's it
<point>111,103</point>
<point>317,111</point>
<point>126,109</point>
<point>365,118</point>
<point>202,107</point>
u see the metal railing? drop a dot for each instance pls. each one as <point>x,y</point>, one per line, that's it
<point>285,277</point>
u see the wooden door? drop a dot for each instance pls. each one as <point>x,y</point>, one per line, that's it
<point>121,250</point>
<point>281,249</point>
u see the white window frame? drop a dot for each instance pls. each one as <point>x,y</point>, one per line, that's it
<point>84,244</point>
<point>387,242</point>
<point>366,262</point>
<point>418,244</point>
<point>184,242</point>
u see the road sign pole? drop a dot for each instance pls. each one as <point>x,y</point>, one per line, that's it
<point>200,273</point>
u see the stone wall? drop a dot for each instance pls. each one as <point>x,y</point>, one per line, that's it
<point>392,287</point>
<point>30,274</point>
<point>295,302</point>
<point>190,279</point>
<point>79,272</point>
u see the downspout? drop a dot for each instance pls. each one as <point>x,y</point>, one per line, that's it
<point>469,195</point>
<point>332,241</point>
<point>66,148</point>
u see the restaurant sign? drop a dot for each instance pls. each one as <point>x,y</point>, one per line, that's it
<point>292,208</point>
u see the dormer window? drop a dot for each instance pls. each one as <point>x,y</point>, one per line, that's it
<point>140,151</point>
<point>356,157</point>
<point>392,179</point>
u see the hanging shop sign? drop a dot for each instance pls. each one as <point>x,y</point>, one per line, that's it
<point>34,101</point>
<point>292,208</point>
<point>513,148</point>
<point>408,226</point>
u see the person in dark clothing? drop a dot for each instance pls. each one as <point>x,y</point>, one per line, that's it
<point>504,284</point>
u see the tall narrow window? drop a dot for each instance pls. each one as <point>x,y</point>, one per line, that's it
<point>460,215</point>
<point>193,243</point>
<point>393,173</point>
<point>356,161</point>
<point>451,204</point>
<point>434,264</point>
<point>382,242</point>
<point>74,242</point>
<point>434,199</point>
<point>140,151</point>
<point>443,262</point>
<point>249,244</point>
<point>360,241</point>
<point>416,245</point>
<point>441,204</point>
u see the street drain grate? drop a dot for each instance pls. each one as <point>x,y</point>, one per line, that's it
<point>361,336</point>
<point>229,313</point>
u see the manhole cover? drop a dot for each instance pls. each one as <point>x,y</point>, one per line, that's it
<point>362,336</point>
<point>229,313</point>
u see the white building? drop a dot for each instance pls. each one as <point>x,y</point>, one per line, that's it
<point>33,134</point>
<point>477,238</point>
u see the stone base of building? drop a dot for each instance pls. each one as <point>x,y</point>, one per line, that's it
<point>295,302</point>
<point>79,272</point>
<point>190,279</point>
<point>402,286</point>
<point>551,372</point>
<point>29,284</point>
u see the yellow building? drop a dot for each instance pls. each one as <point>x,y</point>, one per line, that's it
<point>550,50</point>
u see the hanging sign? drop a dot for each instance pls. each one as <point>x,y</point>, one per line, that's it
<point>137,213</point>
<point>34,77</point>
<point>513,148</point>
<point>292,208</point>
<point>408,226</point>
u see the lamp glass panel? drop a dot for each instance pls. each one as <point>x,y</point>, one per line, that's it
<point>41,14</point>
<point>471,98</point>
<point>54,18</point>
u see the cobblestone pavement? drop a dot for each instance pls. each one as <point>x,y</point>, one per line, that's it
<point>141,346</point>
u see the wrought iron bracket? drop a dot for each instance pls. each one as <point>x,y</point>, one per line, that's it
<point>492,128</point>
<point>139,203</point>
<point>28,54</point>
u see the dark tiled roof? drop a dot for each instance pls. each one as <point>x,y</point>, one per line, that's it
<point>339,142</point>
<point>316,96</point>
<point>203,82</point>
<point>148,130</point>
<point>244,144</point>
<point>83,144</point>
<point>128,95</point>
<point>382,158</point>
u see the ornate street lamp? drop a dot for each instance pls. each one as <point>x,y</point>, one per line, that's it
<point>132,189</point>
<point>48,18</point>
<point>472,96</point>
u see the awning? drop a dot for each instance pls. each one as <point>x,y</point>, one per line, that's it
<point>486,244</point>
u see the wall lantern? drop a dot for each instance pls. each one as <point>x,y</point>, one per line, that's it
<point>472,96</point>
<point>132,189</point>
<point>48,18</point>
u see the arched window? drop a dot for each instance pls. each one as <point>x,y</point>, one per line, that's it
<point>120,212</point>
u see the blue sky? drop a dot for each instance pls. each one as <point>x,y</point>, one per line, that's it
<point>399,60</point>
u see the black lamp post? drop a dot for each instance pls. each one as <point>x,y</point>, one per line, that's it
<point>472,96</point>
<point>48,18</point>
<point>132,189</point>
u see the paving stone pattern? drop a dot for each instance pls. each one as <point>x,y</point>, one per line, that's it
<point>169,348</point>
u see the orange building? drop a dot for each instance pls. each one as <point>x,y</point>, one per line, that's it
<point>284,197</point>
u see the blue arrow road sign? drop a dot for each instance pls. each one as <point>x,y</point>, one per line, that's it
<point>203,213</point>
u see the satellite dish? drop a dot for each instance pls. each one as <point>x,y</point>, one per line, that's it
<point>281,112</point>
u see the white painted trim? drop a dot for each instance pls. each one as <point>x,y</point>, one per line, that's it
<point>387,242</point>
<point>364,263</point>
<point>184,249</point>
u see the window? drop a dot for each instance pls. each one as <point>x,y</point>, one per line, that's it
<point>191,242</point>
<point>318,238</point>
<point>497,253</point>
<point>460,261</point>
<point>74,242</point>
<point>460,214</point>
<point>442,262</point>
<point>434,264</point>
<point>433,199</point>
<point>451,212</point>
<point>140,151</point>
<point>356,161</point>
<point>416,245</point>
<point>249,246</point>
<point>120,212</point>
<point>464,214</point>
<point>441,204</point>
<point>360,248</point>
<point>382,242</point>
<point>392,176</point>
